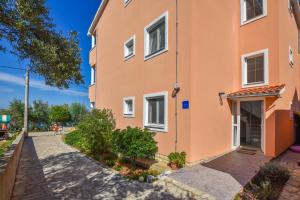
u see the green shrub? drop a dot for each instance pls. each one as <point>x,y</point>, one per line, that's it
<point>142,175</point>
<point>177,158</point>
<point>118,167</point>
<point>76,139</point>
<point>134,143</point>
<point>96,127</point>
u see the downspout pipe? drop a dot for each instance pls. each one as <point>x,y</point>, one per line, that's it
<point>176,87</point>
<point>296,12</point>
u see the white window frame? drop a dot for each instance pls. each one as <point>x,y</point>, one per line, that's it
<point>93,75</point>
<point>126,2</point>
<point>94,40</point>
<point>291,56</point>
<point>125,113</point>
<point>265,52</point>
<point>244,12</point>
<point>92,105</point>
<point>146,36</point>
<point>156,127</point>
<point>126,57</point>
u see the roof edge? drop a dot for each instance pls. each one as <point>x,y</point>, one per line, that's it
<point>97,17</point>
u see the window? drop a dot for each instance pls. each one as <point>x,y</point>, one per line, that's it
<point>255,68</point>
<point>93,75</point>
<point>129,48</point>
<point>92,105</point>
<point>128,107</point>
<point>156,37</point>
<point>126,2</point>
<point>155,111</point>
<point>291,56</point>
<point>252,10</point>
<point>94,40</point>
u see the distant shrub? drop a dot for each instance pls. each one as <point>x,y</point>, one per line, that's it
<point>96,127</point>
<point>177,158</point>
<point>134,143</point>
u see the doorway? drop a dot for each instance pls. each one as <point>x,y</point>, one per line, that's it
<point>248,123</point>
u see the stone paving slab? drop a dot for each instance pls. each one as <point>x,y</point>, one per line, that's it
<point>215,183</point>
<point>50,169</point>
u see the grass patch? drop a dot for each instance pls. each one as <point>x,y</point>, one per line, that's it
<point>267,184</point>
<point>5,144</point>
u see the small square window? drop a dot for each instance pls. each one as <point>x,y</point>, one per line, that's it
<point>129,48</point>
<point>252,10</point>
<point>128,107</point>
<point>155,111</point>
<point>156,36</point>
<point>255,68</point>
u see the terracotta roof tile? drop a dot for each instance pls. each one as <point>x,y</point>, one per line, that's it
<point>258,91</point>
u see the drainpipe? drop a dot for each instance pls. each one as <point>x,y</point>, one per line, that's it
<point>296,11</point>
<point>176,88</point>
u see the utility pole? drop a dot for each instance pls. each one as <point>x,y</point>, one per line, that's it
<point>26,102</point>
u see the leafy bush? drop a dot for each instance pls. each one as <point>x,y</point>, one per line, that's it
<point>134,143</point>
<point>177,158</point>
<point>118,167</point>
<point>77,140</point>
<point>267,183</point>
<point>96,127</point>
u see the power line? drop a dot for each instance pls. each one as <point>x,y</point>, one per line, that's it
<point>7,67</point>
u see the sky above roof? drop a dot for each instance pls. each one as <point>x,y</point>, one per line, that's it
<point>68,15</point>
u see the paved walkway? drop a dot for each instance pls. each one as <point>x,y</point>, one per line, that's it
<point>50,169</point>
<point>222,177</point>
<point>291,191</point>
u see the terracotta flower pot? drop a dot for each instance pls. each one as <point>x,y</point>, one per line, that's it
<point>173,166</point>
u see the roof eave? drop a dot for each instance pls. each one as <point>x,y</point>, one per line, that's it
<point>97,17</point>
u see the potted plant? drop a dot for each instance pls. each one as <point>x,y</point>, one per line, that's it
<point>177,160</point>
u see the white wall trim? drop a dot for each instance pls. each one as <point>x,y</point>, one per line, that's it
<point>265,52</point>
<point>146,36</point>
<point>125,48</point>
<point>126,2</point>
<point>129,115</point>
<point>244,21</point>
<point>145,111</point>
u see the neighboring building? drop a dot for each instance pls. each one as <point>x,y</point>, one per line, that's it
<point>226,76</point>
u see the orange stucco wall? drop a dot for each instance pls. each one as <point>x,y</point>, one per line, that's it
<point>211,41</point>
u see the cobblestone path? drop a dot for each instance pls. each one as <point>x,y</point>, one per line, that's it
<point>50,169</point>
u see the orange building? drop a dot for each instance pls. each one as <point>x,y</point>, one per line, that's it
<point>207,76</point>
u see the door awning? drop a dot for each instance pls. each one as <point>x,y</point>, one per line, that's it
<point>263,91</point>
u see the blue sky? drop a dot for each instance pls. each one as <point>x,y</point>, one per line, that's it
<point>67,15</point>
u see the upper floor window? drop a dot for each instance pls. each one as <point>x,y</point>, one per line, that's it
<point>255,68</point>
<point>155,111</point>
<point>129,48</point>
<point>94,40</point>
<point>128,107</point>
<point>93,75</point>
<point>291,56</point>
<point>156,37</point>
<point>252,10</point>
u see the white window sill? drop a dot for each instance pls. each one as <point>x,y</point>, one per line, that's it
<point>155,54</point>
<point>128,57</point>
<point>254,85</point>
<point>253,20</point>
<point>128,115</point>
<point>156,128</point>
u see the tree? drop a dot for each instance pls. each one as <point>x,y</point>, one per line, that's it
<point>16,110</point>
<point>59,114</point>
<point>96,127</point>
<point>26,25</point>
<point>77,111</point>
<point>39,115</point>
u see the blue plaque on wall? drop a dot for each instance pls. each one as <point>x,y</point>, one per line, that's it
<point>185,104</point>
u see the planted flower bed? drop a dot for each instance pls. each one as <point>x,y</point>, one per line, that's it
<point>122,150</point>
<point>267,184</point>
